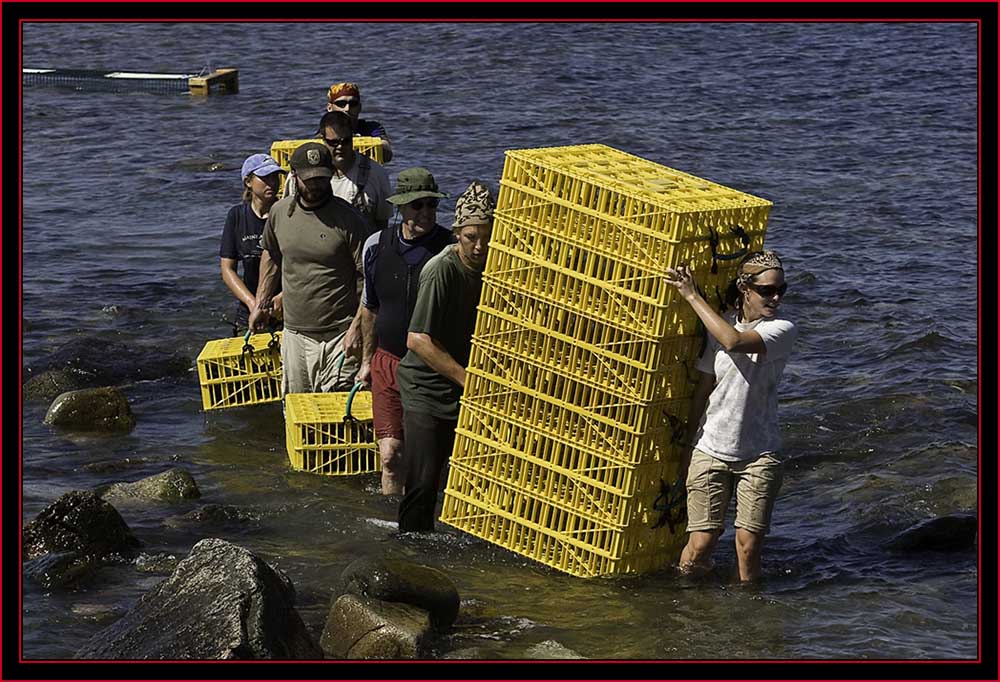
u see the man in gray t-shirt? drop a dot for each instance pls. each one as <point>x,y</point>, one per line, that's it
<point>314,240</point>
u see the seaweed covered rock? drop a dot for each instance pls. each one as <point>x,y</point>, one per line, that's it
<point>95,361</point>
<point>61,569</point>
<point>172,485</point>
<point>363,628</point>
<point>221,602</point>
<point>400,581</point>
<point>50,383</point>
<point>92,409</point>
<point>79,521</point>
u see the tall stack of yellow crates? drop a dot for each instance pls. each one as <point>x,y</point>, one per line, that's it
<point>582,365</point>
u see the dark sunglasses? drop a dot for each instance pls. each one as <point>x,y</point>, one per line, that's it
<point>344,103</point>
<point>418,204</point>
<point>769,290</point>
<point>336,143</point>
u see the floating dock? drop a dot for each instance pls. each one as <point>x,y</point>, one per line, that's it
<point>220,81</point>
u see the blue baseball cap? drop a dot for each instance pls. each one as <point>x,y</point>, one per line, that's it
<point>260,165</point>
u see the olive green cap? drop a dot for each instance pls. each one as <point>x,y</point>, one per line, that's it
<point>412,184</point>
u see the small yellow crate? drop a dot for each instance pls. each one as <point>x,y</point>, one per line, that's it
<point>240,371</point>
<point>331,433</point>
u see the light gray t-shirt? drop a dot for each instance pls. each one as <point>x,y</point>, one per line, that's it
<point>741,418</point>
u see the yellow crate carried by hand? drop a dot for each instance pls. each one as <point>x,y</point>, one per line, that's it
<point>234,372</point>
<point>331,433</point>
<point>282,151</point>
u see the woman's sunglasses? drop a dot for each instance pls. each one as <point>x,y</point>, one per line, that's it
<point>769,290</point>
<point>418,204</point>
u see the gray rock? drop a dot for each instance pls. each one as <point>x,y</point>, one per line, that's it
<point>943,534</point>
<point>465,654</point>
<point>172,485</point>
<point>400,581</point>
<point>92,409</point>
<point>60,569</point>
<point>550,649</point>
<point>363,628</point>
<point>79,521</point>
<point>222,602</point>
<point>99,613</point>
<point>50,383</point>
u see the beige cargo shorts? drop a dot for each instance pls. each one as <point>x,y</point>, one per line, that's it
<point>710,484</point>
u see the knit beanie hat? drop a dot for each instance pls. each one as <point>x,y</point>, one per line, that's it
<point>474,206</point>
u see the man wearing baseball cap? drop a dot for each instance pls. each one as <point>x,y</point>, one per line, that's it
<point>346,98</point>
<point>393,260</point>
<point>312,241</point>
<point>242,232</point>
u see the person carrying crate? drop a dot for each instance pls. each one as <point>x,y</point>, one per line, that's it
<point>733,436</point>
<point>241,236</point>
<point>312,241</point>
<point>393,260</point>
<point>431,375</point>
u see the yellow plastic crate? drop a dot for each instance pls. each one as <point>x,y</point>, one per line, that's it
<point>530,523</point>
<point>505,341</point>
<point>240,371</point>
<point>282,151</point>
<point>331,433</point>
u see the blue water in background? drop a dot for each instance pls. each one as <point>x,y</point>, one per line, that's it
<point>863,136</point>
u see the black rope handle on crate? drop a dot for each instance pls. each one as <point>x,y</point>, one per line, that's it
<point>713,241</point>
<point>673,508</point>
<point>248,351</point>
<point>677,428</point>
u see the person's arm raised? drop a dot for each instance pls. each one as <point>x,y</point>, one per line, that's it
<point>726,334</point>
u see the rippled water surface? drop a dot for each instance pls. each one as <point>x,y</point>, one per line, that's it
<point>863,136</point>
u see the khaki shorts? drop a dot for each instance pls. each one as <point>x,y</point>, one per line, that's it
<point>710,488</point>
<point>309,363</point>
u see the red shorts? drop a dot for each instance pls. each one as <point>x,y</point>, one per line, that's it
<point>387,408</point>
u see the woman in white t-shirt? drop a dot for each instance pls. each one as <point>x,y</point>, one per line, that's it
<point>733,438</point>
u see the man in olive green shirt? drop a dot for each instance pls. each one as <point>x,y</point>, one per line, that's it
<point>432,373</point>
<point>313,242</point>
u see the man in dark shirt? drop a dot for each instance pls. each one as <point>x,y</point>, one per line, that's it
<point>346,97</point>
<point>393,260</point>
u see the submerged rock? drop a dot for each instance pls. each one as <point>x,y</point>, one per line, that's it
<point>155,563</point>
<point>222,602</point>
<point>399,581</point>
<point>50,383</point>
<point>60,569</point>
<point>217,514</point>
<point>172,485</point>
<point>91,409</point>
<point>550,649</point>
<point>79,521</point>
<point>96,361</point>
<point>943,534</point>
<point>363,628</point>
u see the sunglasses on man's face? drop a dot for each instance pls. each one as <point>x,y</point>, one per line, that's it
<point>769,290</point>
<point>345,103</point>
<point>336,143</point>
<point>419,204</point>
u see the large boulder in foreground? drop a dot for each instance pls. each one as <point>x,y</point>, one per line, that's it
<point>363,628</point>
<point>92,409</point>
<point>400,581</point>
<point>942,534</point>
<point>172,485</point>
<point>79,521</point>
<point>222,602</point>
